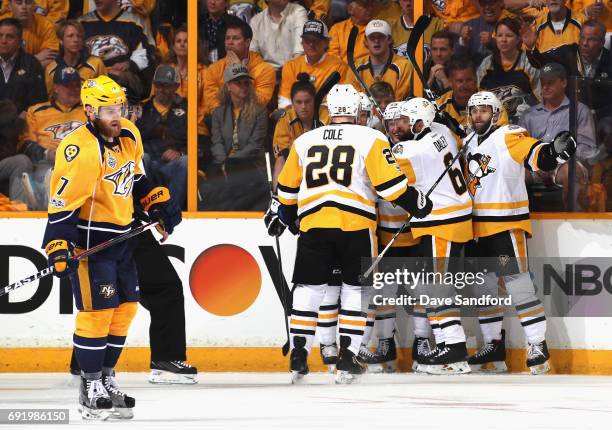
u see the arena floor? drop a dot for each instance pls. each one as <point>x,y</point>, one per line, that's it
<point>400,401</point>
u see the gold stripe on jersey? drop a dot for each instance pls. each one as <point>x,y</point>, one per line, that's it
<point>511,205</point>
<point>84,285</point>
<point>342,194</point>
<point>523,147</point>
<point>388,225</point>
<point>451,209</point>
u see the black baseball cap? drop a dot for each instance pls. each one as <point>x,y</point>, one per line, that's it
<point>66,75</point>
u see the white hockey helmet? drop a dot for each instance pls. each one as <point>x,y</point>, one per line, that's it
<point>343,100</point>
<point>417,109</point>
<point>485,98</point>
<point>365,103</point>
<point>392,111</point>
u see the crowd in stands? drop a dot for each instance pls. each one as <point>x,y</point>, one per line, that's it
<point>260,65</point>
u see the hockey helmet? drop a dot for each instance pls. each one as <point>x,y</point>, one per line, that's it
<point>343,100</point>
<point>102,91</point>
<point>392,111</point>
<point>417,109</point>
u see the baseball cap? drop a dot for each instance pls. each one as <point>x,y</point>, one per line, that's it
<point>553,71</point>
<point>65,75</point>
<point>316,28</point>
<point>165,74</point>
<point>378,26</point>
<point>234,71</point>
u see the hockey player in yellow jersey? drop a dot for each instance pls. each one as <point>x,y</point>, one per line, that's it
<point>330,183</point>
<point>98,172</point>
<point>496,159</point>
<point>426,148</point>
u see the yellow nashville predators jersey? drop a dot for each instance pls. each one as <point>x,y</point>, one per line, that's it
<point>549,38</point>
<point>334,174</point>
<point>290,127</point>
<point>49,123</point>
<point>422,160</point>
<point>397,72</point>
<point>495,176</point>
<point>92,183</point>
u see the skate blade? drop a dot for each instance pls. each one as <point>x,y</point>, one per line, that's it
<point>121,414</point>
<point>449,369</point>
<point>390,366</point>
<point>540,369</point>
<point>94,414</point>
<point>162,377</point>
<point>421,368</point>
<point>496,367</point>
<point>375,368</point>
<point>297,377</point>
<point>344,377</point>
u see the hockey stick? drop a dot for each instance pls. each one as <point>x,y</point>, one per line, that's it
<point>283,292</point>
<point>332,80</point>
<point>101,246</point>
<point>407,222</point>
<point>411,46</point>
<point>350,57</point>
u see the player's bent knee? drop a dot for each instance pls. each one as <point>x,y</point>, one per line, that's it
<point>122,318</point>
<point>93,324</point>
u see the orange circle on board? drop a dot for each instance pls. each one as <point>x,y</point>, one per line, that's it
<point>225,280</point>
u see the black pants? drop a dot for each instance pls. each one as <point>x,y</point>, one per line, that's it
<point>161,293</point>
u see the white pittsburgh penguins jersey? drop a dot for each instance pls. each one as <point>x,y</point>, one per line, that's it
<point>334,174</point>
<point>495,175</point>
<point>422,161</point>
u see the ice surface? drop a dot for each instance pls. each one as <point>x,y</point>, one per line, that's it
<point>399,401</point>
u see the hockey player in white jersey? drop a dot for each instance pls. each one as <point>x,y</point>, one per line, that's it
<point>330,183</point>
<point>381,319</point>
<point>495,170</point>
<point>428,148</point>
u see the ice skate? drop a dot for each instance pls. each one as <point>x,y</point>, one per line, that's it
<point>420,348</point>
<point>537,358</point>
<point>329,356</point>
<point>388,353</point>
<point>494,353</point>
<point>122,403</point>
<point>172,372</point>
<point>371,359</point>
<point>451,360</point>
<point>349,366</point>
<point>94,401</point>
<point>298,362</point>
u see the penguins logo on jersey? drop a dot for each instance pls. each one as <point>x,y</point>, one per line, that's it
<point>123,180</point>
<point>107,47</point>
<point>62,130</point>
<point>477,168</point>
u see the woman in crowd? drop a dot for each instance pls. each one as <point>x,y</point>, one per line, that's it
<point>73,53</point>
<point>238,132</point>
<point>508,73</point>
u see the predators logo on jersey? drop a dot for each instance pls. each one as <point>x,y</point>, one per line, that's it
<point>62,130</point>
<point>477,167</point>
<point>123,180</point>
<point>107,47</point>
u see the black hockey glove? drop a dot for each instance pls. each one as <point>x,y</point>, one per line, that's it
<point>443,117</point>
<point>564,146</point>
<point>161,207</point>
<point>415,202</point>
<point>278,217</point>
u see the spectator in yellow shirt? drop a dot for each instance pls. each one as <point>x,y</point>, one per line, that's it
<point>455,12</point>
<point>238,37</point>
<point>53,10</point>
<point>39,37</point>
<point>47,125</point>
<point>401,27</point>
<point>557,26</point>
<point>595,9</point>
<point>360,13</point>
<point>315,62</point>
<point>297,120</point>
<point>73,53</point>
<point>383,64</point>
